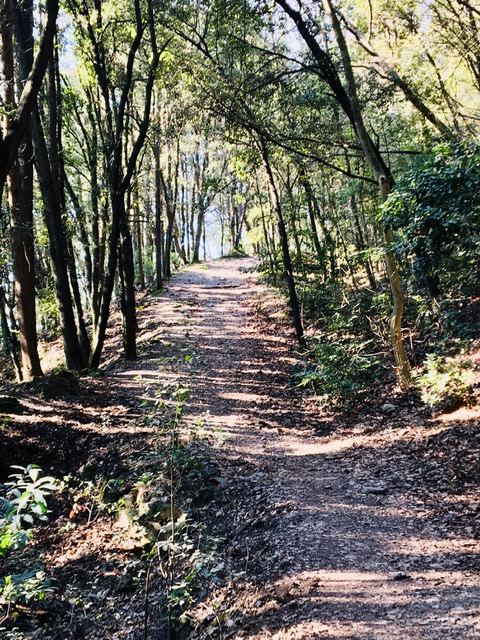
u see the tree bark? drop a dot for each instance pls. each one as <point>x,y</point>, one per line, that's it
<point>58,249</point>
<point>9,341</point>
<point>159,260</point>
<point>287,262</point>
<point>311,214</point>
<point>20,198</point>
<point>17,126</point>
<point>385,180</point>
<point>347,98</point>
<point>47,162</point>
<point>121,156</point>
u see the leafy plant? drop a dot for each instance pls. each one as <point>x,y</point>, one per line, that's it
<point>200,564</point>
<point>22,500</point>
<point>446,383</point>
<point>435,208</point>
<point>29,586</point>
<point>342,369</point>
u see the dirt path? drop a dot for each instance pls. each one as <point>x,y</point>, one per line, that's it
<point>358,529</point>
<point>326,527</point>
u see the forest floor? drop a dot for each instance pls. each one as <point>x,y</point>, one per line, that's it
<point>363,527</point>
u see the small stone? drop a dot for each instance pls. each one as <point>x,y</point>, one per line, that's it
<point>398,577</point>
<point>377,491</point>
<point>388,408</point>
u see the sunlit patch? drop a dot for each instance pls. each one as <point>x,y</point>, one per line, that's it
<point>141,374</point>
<point>464,414</point>
<point>377,440</point>
<point>426,547</point>
<point>299,449</point>
<point>244,397</point>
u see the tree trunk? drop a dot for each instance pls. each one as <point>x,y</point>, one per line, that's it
<point>23,257</point>
<point>100,327</point>
<point>20,197</point>
<point>287,262</point>
<point>9,340</point>
<point>58,249</point>
<point>347,98</point>
<point>198,233</point>
<point>159,258</point>
<point>137,237</point>
<point>129,312</point>
<point>311,214</point>
<point>361,244</point>
<point>384,178</point>
<point>401,360</point>
<point>83,337</point>
<point>16,126</point>
<point>126,280</point>
<point>170,211</point>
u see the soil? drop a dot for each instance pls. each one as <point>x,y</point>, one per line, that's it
<point>365,526</point>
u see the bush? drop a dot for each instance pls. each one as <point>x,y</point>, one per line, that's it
<point>436,210</point>
<point>22,500</point>
<point>342,371</point>
<point>446,383</point>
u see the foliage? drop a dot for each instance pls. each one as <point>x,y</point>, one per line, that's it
<point>48,316</point>
<point>446,383</point>
<point>30,586</point>
<point>449,322</point>
<point>23,500</point>
<point>342,369</point>
<point>187,478</point>
<point>197,555</point>
<point>436,210</point>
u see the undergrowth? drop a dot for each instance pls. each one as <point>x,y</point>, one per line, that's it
<point>151,505</point>
<point>349,346</point>
<point>23,501</point>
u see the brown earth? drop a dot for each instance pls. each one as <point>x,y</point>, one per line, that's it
<point>366,528</point>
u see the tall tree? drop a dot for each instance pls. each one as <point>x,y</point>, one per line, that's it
<point>48,166</point>
<point>345,93</point>
<point>98,32</point>
<point>18,166</point>
<point>16,125</point>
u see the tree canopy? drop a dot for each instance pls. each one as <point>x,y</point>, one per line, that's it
<point>319,136</point>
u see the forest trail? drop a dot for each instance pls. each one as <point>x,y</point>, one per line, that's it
<point>327,524</point>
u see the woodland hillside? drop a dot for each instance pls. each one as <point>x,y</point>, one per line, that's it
<point>326,153</point>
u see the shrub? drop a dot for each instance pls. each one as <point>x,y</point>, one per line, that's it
<point>435,208</point>
<point>342,370</point>
<point>446,383</point>
<point>22,500</point>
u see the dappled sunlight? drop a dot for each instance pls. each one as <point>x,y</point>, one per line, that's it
<point>349,547</point>
<point>338,444</point>
<point>141,374</point>
<point>368,605</point>
<point>464,414</point>
<point>244,397</point>
<point>433,546</point>
<point>299,449</point>
<point>324,531</point>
